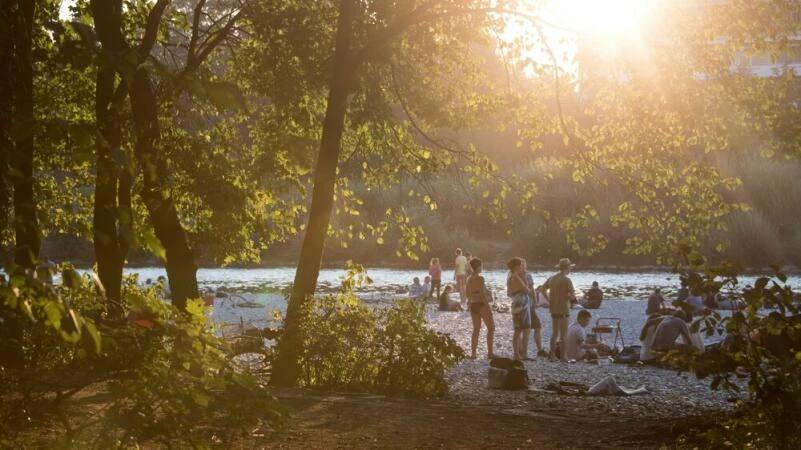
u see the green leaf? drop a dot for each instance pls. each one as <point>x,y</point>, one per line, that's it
<point>94,334</point>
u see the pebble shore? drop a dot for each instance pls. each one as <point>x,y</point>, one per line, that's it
<point>671,394</point>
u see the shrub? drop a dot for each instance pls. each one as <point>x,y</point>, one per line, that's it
<point>350,346</point>
<point>763,343</point>
<point>163,376</point>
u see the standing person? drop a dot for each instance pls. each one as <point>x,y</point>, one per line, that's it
<point>479,297</point>
<point>517,289</point>
<point>536,325</point>
<point>435,271</point>
<point>560,293</point>
<point>460,274</point>
<point>469,270</point>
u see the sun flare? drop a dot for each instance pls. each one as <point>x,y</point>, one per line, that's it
<point>606,19</point>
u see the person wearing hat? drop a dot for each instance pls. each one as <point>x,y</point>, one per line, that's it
<point>560,293</point>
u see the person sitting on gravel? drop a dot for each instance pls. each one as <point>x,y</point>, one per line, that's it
<point>669,330</point>
<point>576,345</point>
<point>427,288</point>
<point>656,303</point>
<point>416,289</point>
<point>593,298</point>
<point>445,302</point>
<point>647,335</point>
<point>697,302</point>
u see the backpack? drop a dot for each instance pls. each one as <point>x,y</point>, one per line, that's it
<point>505,373</point>
<point>629,355</point>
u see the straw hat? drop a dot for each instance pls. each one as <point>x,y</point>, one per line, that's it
<point>564,263</point>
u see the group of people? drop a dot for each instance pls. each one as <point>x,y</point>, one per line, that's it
<point>567,342</point>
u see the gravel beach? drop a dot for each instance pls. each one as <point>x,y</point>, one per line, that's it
<point>670,394</point>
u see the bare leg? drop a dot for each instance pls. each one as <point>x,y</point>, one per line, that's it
<point>554,335</point>
<point>524,344</point>
<point>516,344</point>
<point>563,336</point>
<point>476,330</point>
<point>538,339</point>
<point>486,314</point>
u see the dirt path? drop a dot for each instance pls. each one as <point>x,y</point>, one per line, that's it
<point>325,420</point>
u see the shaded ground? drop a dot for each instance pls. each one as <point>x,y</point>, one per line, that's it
<point>325,420</point>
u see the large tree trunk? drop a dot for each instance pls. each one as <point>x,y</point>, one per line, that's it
<point>7,12</point>
<point>26,226</point>
<point>11,354</point>
<point>287,368</point>
<point>110,251</point>
<point>180,263</point>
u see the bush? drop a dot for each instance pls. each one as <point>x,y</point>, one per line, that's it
<point>163,376</point>
<point>349,346</point>
<point>763,346</point>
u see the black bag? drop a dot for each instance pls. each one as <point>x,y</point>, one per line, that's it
<point>516,373</point>
<point>629,355</point>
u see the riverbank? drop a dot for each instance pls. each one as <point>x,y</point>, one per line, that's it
<point>334,420</point>
<point>670,394</point>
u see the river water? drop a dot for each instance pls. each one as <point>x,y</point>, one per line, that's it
<point>387,282</point>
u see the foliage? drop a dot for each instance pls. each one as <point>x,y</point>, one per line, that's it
<point>763,343</point>
<point>350,346</point>
<point>165,376</point>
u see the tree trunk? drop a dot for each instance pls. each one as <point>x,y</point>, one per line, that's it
<point>287,367</point>
<point>109,250</point>
<point>180,263</point>
<point>110,259</point>
<point>6,108</point>
<point>26,226</point>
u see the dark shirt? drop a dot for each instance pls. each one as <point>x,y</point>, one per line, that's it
<point>683,293</point>
<point>443,301</point>
<point>594,298</point>
<point>655,303</point>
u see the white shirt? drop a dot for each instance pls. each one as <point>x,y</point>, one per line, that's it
<point>575,337</point>
<point>461,265</point>
<point>645,350</point>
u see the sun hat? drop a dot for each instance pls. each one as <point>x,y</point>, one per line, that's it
<point>564,263</point>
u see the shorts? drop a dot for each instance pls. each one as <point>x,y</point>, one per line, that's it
<point>535,319</point>
<point>477,308</point>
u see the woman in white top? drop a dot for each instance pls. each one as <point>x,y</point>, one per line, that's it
<point>460,274</point>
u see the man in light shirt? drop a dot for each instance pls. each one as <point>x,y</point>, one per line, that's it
<point>576,346</point>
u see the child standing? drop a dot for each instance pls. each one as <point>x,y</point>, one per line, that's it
<point>435,271</point>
